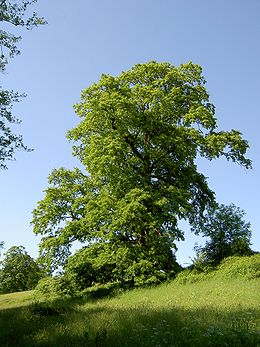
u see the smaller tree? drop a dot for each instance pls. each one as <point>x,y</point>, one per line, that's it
<point>228,234</point>
<point>18,271</point>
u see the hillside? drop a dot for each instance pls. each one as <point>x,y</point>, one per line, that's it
<point>207,313</point>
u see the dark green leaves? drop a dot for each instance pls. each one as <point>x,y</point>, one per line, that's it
<point>9,142</point>
<point>18,271</point>
<point>227,233</point>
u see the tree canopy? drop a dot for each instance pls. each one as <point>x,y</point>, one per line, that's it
<point>13,13</point>
<point>18,271</point>
<point>139,137</point>
<point>227,232</point>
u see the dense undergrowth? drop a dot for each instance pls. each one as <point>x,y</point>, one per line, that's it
<point>221,310</point>
<point>230,268</point>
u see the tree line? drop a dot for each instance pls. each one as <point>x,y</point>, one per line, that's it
<point>227,233</point>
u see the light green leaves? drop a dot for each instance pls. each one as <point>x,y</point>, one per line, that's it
<point>139,136</point>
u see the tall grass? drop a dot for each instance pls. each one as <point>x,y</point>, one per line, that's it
<point>16,299</point>
<point>210,313</point>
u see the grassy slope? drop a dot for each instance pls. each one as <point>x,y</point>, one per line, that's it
<point>13,300</point>
<point>209,313</point>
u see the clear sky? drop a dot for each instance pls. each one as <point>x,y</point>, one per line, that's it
<point>87,38</point>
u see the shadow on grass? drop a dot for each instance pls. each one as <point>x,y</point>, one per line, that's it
<point>71,324</point>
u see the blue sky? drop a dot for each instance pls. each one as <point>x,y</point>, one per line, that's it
<point>87,38</point>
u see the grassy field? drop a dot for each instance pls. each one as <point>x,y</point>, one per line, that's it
<point>208,313</point>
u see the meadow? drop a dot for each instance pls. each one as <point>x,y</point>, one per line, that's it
<point>212,312</point>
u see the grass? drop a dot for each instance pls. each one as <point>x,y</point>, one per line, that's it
<point>16,299</point>
<point>210,313</point>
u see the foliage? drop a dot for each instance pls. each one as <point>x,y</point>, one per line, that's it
<point>95,271</point>
<point>246,267</point>
<point>138,139</point>
<point>12,13</point>
<point>228,234</point>
<point>99,291</point>
<point>55,286</point>
<point>240,267</point>
<point>105,263</point>
<point>18,271</point>
<point>192,276</point>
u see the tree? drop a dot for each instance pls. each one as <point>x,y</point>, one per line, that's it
<point>12,13</point>
<point>18,271</point>
<point>228,234</point>
<point>138,139</point>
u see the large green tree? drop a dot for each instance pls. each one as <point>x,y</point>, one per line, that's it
<point>18,271</point>
<point>139,137</point>
<point>13,14</point>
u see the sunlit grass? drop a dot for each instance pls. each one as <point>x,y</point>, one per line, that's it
<point>209,313</point>
<point>16,299</point>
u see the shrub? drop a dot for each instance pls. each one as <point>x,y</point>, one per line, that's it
<point>192,276</point>
<point>246,267</point>
<point>127,266</point>
<point>55,286</point>
<point>99,291</point>
<point>231,267</point>
<point>43,309</point>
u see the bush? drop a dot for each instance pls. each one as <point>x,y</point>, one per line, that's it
<point>43,309</point>
<point>101,264</point>
<point>192,276</point>
<point>55,286</point>
<point>99,291</point>
<point>237,267</point>
<point>232,267</point>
